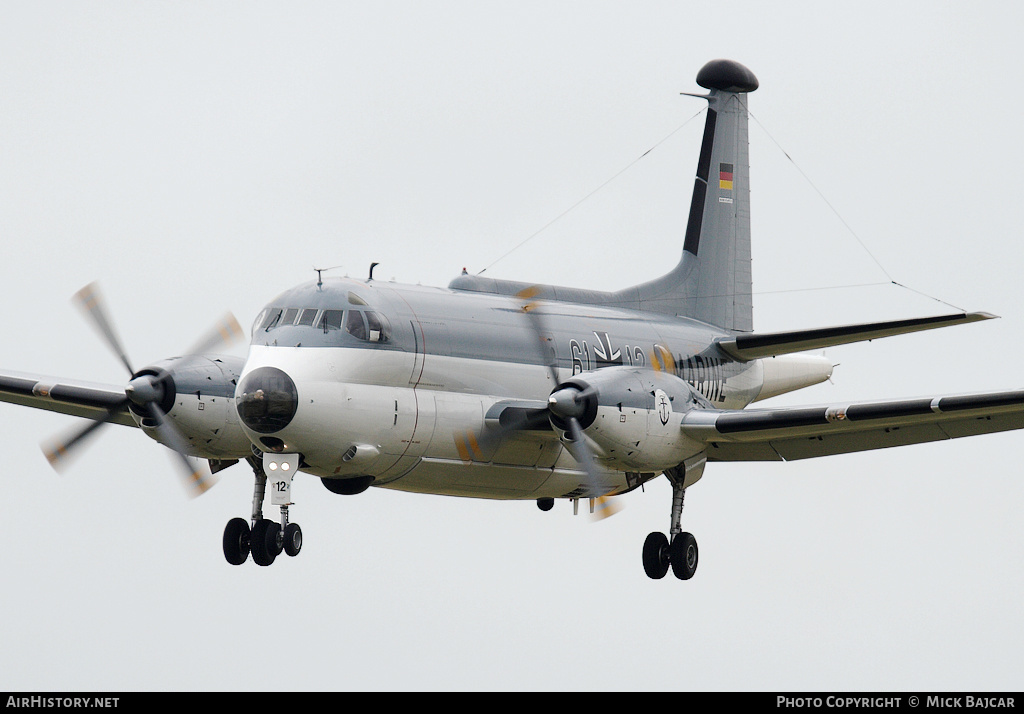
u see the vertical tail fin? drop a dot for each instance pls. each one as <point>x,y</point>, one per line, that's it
<point>712,281</point>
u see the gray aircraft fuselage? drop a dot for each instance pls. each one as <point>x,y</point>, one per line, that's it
<point>436,322</point>
<point>449,361</point>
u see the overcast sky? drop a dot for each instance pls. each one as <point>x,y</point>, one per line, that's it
<point>200,157</point>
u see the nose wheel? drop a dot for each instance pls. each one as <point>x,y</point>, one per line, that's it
<point>266,539</point>
<point>236,541</point>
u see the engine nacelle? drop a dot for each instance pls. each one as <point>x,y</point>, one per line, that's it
<point>632,417</point>
<point>198,395</point>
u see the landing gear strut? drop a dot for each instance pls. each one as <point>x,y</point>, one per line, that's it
<point>265,539</point>
<point>679,549</point>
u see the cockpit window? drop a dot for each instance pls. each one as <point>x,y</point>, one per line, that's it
<point>306,317</point>
<point>331,320</point>
<point>354,325</point>
<point>378,327</point>
<point>271,318</point>
<point>365,325</point>
<point>258,321</point>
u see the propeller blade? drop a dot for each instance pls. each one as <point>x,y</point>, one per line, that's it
<point>58,452</point>
<point>603,505</point>
<point>567,404</point>
<point>90,300</point>
<point>547,354</point>
<point>468,446</point>
<point>478,446</point>
<point>583,454</point>
<point>226,332</point>
<point>661,359</point>
<point>196,478</point>
<point>145,392</point>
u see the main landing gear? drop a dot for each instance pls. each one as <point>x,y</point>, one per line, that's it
<point>266,539</point>
<point>679,549</point>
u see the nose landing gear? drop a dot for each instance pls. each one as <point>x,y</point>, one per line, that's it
<point>266,539</point>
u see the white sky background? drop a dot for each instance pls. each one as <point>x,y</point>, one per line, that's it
<point>198,157</point>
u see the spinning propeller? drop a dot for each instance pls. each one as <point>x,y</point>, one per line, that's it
<point>567,405</point>
<point>147,393</point>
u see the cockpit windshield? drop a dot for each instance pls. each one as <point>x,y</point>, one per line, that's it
<point>330,320</point>
<point>362,324</point>
<point>269,319</point>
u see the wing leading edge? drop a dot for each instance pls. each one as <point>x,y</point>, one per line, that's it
<point>790,433</point>
<point>66,396</point>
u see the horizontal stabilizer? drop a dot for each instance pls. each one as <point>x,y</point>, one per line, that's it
<point>769,344</point>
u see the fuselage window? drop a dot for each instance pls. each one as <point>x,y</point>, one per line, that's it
<point>289,315</point>
<point>378,327</point>
<point>306,317</point>
<point>354,325</point>
<point>270,320</point>
<point>331,320</point>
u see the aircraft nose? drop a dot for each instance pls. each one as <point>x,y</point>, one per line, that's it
<point>266,400</point>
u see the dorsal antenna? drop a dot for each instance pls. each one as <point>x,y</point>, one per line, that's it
<point>320,276</point>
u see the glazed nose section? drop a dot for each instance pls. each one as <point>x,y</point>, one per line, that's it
<point>266,400</point>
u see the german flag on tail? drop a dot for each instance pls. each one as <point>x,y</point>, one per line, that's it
<point>725,176</point>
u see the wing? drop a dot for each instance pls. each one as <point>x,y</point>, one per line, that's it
<point>791,433</point>
<point>67,396</point>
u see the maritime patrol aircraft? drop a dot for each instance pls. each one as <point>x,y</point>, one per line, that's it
<point>505,390</point>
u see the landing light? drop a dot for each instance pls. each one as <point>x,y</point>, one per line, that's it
<point>273,465</point>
